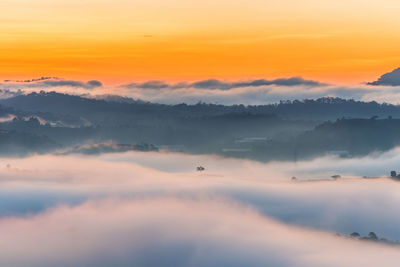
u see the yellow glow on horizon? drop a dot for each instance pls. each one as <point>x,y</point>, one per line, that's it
<point>122,40</point>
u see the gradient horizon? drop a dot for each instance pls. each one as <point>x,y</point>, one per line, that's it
<point>118,41</point>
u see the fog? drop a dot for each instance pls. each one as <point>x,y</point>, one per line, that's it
<point>154,208</point>
<point>171,232</point>
<point>222,92</point>
<point>262,94</point>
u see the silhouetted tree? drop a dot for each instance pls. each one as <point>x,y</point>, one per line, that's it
<point>355,234</point>
<point>372,236</point>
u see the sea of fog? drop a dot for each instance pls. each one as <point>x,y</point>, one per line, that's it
<point>155,209</point>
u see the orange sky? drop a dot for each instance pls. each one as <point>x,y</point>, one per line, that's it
<point>124,40</point>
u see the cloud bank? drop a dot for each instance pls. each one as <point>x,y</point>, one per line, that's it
<point>253,95</point>
<point>68,83</point>
<point>33,80</point>
<point>53,83</point>
<point>213,84</point>
<point>170,232</point>
<point>152,209</point>
<point>253,92</point>
<point>391,78</point>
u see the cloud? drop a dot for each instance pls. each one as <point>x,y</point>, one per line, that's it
<point>6,93</point>
<point>255,92</point>
<point>32,80</point>
<point>141,209</point>
<point>356,203</point>
<point>70,83</point>
<point>294,81</point>
<point>213,84</point>
<point>391,78</point>
<point>94,83</point>
<point>149,85</point>
<point>50,82</point>
<point>173,232</point>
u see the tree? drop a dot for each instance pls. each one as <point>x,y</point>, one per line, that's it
<point>355,235</point>
<point>372,236</point>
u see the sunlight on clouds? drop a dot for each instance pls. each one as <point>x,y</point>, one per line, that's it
<point>172,232</point>
<point>342,206</point>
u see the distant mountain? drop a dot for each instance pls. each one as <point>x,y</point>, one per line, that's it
<point>358,136</point>
<point>22,143</point>
<point>344,138</point>
<point>113,108</point>
<point>287,130</point>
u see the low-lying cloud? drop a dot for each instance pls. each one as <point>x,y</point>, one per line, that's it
<point>213,84</point>
<point>171,232</point>
<point>68,83</point>
<point>152,209</point>
<point>253,92</point>
<point>7,93</point>
<point>254,95</point>
<point>12,86</point>
<point>262,91</point>
<point>391,79</point>
<point>32,80</point>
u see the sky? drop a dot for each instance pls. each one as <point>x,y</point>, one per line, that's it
<point>155,209</point>
<point>120,41</point>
